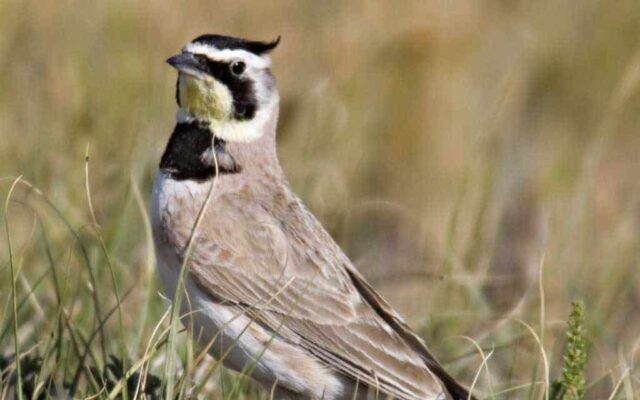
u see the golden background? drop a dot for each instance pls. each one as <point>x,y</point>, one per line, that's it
<point>479,161</point>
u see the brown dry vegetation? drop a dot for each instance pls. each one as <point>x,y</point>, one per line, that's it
<point>458,151</point>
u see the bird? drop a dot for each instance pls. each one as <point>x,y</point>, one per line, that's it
<point>266,288</point>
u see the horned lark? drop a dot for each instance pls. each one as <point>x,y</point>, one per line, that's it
<point>267,289</point>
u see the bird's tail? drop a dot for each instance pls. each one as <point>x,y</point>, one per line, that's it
<point>456,390</point>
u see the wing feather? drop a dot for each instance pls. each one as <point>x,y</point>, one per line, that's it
<point>291,277</point>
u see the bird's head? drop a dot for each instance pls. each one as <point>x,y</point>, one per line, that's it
<point>226,82</point>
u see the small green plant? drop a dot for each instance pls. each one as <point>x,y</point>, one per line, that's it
<point>570,386</point>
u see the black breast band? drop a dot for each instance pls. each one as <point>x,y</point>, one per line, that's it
<point>188,154</point>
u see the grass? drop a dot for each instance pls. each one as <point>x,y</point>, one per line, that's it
<point>446,146</point>
<point>571,385</point>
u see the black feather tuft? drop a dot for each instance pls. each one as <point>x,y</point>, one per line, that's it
<point>234,43</point>
<point>266,47</point>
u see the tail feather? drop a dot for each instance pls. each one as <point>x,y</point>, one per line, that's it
<point>456,390</point>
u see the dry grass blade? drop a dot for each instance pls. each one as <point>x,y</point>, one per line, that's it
<point>483,364</point>
<point>545,361</point>
<point>14,302</point>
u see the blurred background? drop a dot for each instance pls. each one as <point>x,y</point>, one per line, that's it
<point>479,161</point>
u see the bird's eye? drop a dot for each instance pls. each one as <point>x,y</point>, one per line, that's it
<point>238,67</point>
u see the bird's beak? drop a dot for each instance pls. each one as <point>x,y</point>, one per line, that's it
<point>188,64</point>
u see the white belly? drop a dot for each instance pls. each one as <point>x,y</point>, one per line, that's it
<point>222,329</point>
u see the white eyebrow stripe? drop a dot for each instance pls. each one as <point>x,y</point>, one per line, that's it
<point>228,54</point>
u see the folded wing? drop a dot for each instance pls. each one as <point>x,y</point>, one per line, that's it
<point>292,278</point>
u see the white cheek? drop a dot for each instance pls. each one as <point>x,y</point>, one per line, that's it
<point>248,130</point>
